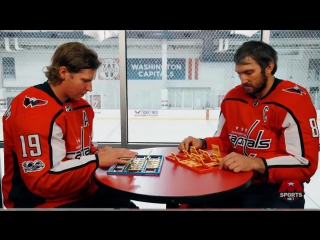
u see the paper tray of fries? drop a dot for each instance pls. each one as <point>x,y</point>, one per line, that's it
<point>198,160</point>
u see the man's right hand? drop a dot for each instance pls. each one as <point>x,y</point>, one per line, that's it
<point>190,142</point>
<point>112,156</point>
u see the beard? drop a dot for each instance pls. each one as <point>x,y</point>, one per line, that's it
<point>259,87</point>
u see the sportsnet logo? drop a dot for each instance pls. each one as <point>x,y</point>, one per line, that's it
<point>291,190</point>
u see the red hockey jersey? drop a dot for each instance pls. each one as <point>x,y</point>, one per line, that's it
<point>280,128</point>
<point>48,153</point>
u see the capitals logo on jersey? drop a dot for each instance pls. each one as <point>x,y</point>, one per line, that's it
<point>243,137</point>
<point>33,102</point>
<point>295,90</point>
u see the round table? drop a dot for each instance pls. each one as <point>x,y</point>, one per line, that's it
<point>175,183</point>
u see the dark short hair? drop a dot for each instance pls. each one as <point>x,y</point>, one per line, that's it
<point>259,51</point>
<point>75,56</point>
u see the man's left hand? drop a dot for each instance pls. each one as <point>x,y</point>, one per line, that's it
<point>240,163</point>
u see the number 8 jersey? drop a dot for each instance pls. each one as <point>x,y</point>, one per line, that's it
<point>49,157</point>
<point>281,128</point>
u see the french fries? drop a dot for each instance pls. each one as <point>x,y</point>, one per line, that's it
<point>198,158</point>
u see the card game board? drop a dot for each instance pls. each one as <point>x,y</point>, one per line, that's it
<point>139,165</point>
<point>201,161</point>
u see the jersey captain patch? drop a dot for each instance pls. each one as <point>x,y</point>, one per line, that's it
<point>85,119</point>
<point>295,90</point>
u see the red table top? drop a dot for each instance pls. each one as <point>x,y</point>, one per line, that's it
<point>175,181</point>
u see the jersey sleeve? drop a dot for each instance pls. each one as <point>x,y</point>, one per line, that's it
<point>221,136</point>
<point>43,162</point>
<point>94,149</point>
<point>297,158</point>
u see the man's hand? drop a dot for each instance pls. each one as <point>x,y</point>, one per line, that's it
<point>188,142</point>
<point>105,148</point>
<point>111,156</point>
<point>240,163</point>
